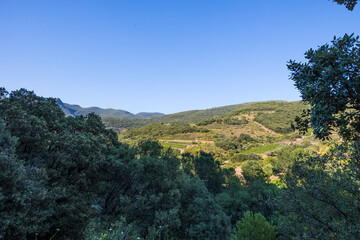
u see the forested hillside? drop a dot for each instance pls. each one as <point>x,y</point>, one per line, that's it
<point>255,131</point>
<point>288,109</point>
<point>119,124</point>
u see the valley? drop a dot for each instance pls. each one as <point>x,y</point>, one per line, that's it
<point>249,132</point>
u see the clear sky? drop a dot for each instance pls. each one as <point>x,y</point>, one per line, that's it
<point>166,56</point>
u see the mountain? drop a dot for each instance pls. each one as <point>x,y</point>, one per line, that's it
<point>76,110</point>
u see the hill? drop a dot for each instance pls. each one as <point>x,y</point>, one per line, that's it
<point>286,112</point>
<point>258,132</point>
<point>193,116</point>
<point>76,110</point>
<point>260,128</point>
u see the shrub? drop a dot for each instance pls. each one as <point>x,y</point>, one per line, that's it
<point>254,227</point>
<point>252,170</point>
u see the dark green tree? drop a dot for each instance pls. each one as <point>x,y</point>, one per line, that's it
<point>149,147</point>
<point>349,4</point>
<point>252,170</point>
<point>206,168</point>
<point>258,197</point>
<point>285,158</point>
<point>330,83</point>
<point>24,200</point>
<point>254,227</point>
<point>321,200</point>
<point>71,151</point>
<point>73,171</point>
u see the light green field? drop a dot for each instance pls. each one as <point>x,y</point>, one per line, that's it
<point>174,144</point>
<point>263,149</point>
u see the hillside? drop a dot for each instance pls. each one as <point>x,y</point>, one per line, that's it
<point>255,132</point>
<point>252,131</point>
<point>192,116</point>
<point>286,112</point>
<point>76,110</point>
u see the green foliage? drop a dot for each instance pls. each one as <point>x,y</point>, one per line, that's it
<point>174,144</point>
<point>223,120</point>
<point>101,229</point>
<point>279,182</point>
<point>286,157</point>
<point>206,168</point>
<point>73,172</point>
<point>252,170</point>
<point>242,142</point>
<point>275,115</point>
<point>23,196</point>
<point>149,147</point>
<point>241,157</point>
<point>202,217</point>
<point>349,4</point>
<point>258,196</point>
<point>262,149</point>
<point>158,129</point>
<point>330,83</point>
<point>254,227</point>
<point>268,165</point>
<point>321,200</point>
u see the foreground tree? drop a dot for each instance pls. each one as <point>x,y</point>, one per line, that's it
<point>60,172</point>
<point>206,168</point>
<point>349,4</point>
<point>254,227</point>
<point>330,83</point>
<point>24,201</point>
<point>321,200</point>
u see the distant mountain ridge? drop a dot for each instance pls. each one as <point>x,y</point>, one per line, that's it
<point>76,110</point>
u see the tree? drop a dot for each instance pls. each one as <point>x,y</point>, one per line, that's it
<point>24,200</point>
<point>321,200</point>
<point>70,152</point>
<point>206,168</point>
<point>149,147</point>
<point>286,157</point>
<point>66,172</point>
<point>349,4</point>
<point>252,170</point>
<point>258,197</point>
<point>330,83</point>
<point>254,227</point>
<point>201,217</point>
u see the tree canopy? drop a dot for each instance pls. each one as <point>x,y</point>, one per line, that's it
<point>59,174</point>
<point>349,4</point>
<point>330,83</point>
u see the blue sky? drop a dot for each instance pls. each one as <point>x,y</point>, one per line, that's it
<point>166,56</point>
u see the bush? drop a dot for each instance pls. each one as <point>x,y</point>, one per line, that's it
<point>254,227</point>
<point>252,170</point>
